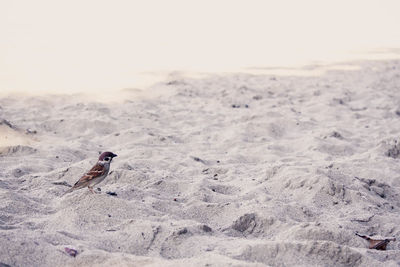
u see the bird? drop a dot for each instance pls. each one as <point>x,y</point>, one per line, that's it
<point>96,174</point>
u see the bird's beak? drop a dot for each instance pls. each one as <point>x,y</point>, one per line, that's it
<point>114,155</point>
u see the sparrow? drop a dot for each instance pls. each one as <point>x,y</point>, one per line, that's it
<point>96,174</point>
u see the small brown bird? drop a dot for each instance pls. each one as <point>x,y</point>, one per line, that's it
<point>96,174</point>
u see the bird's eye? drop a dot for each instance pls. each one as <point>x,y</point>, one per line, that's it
<point>106,159</point>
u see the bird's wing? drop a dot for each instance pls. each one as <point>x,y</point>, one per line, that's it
<point>95,172</point>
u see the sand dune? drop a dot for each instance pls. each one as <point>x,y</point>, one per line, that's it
<point>231,170</point>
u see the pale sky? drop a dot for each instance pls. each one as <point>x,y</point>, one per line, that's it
<point>79,45</point>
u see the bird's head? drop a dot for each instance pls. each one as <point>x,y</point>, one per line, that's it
<point>107,156</point>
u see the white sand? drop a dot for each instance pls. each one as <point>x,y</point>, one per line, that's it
<point>286,177</point>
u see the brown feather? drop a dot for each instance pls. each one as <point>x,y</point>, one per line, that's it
<point>95,172</point>
<point>379,244</point>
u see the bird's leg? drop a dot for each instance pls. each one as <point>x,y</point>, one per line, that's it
<point>91,189</point>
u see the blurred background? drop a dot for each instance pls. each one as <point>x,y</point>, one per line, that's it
<point>94,45</point>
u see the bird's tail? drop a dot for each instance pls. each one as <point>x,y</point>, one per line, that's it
<point>68,191</point>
